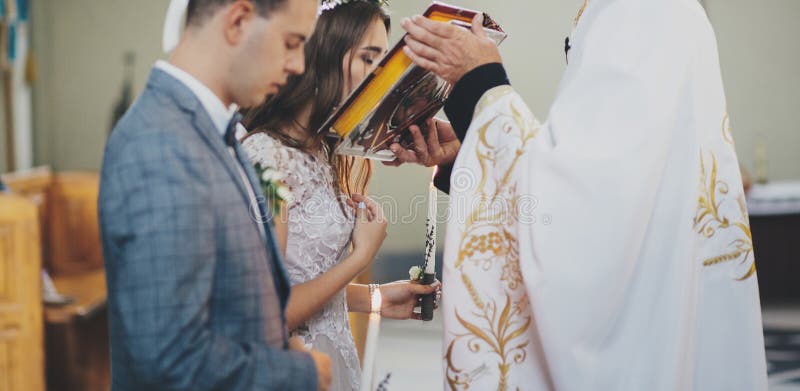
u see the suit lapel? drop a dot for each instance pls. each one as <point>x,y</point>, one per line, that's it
<point>279,272</point>
<point>201,121</point>
<point>212,138</point>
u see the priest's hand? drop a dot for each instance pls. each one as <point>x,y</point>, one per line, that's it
<point>440,147</point>
<point>447,50</point>
<point>401,297</point>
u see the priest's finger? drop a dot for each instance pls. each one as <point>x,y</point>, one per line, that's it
<point>421,61</point>
<point>422,35</point>
<point>416,316</point>
<point>420,146</point>
<point>477,26</point>
<point>422,49</point>
<point>403,155</point>
<point>440,29</point>
<point>434,148</point>
<point>393,163</point>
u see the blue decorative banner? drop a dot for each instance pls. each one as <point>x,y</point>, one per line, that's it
<point>22,10</point>
<point>12,41</point>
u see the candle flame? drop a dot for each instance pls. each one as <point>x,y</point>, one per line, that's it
<point>377,301</point>
<point>435,171</point>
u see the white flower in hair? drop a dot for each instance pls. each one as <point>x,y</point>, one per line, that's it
<point>328,5</point>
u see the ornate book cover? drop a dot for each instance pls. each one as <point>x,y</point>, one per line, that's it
<point>396,95</point>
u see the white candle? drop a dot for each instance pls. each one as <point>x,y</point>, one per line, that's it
<point>430,228</point>
<point>371,348</point>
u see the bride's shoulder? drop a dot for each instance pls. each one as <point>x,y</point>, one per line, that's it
<point>263,148</point>
<point>260,139</point>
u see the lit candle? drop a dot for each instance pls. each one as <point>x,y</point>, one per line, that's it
<point>371,348</point>
<point>429,275</point>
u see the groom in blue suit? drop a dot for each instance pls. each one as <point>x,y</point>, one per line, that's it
<point>196,288</point>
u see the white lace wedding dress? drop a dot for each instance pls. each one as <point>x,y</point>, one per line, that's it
<point>319,235</point>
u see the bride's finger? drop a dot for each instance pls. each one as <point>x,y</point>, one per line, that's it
<point>374,208</point>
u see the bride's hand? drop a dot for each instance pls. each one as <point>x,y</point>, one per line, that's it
<point>370,229</point>
<point>401,297</point>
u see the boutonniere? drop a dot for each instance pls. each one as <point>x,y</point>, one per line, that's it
<point>273,187</point>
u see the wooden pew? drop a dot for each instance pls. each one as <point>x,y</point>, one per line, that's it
<point>21,342</point>
<point>76,334</point>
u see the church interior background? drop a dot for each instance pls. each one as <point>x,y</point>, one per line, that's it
<point>71,68</point>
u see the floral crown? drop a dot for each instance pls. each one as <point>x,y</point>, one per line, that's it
<point>328,5</point>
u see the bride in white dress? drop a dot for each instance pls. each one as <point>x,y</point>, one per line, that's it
<point>317,225</point>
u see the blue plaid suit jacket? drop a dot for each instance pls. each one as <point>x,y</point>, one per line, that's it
<point>196,293</point>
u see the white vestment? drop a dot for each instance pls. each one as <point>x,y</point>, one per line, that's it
<point>608,248</point>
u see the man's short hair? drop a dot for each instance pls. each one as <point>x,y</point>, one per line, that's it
<point>199,10</point>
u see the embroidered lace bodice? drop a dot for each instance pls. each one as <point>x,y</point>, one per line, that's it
<point>318,239</point>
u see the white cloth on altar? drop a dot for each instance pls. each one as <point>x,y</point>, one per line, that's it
<point>774,199</point>
<point>608,248</point>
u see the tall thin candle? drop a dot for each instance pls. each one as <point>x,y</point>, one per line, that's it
<point>371,348</point>
<point>429,275</point>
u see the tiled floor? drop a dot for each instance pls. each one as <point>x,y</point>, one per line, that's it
<point>412,351</point>
<point>782,337</point>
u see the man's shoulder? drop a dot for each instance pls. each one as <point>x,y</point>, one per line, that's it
<point>152,112</point>
<point>153,119</point>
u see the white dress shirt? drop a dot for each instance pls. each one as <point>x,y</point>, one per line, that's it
<point>220,115</point>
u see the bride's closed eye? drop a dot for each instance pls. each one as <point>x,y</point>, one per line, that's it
<point>371,54</point>
<point>369,57</point>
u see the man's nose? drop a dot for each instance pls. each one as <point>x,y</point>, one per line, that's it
<point>296,65</point>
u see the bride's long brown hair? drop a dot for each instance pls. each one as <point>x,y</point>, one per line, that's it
<point>338,31</point>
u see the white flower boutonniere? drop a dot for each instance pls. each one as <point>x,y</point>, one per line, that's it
<point>273,187</point>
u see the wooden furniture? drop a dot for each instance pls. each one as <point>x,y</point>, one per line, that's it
<point>21,342</point>
<point>76,335</point>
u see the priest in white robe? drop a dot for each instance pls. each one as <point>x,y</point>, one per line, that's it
<point>608,247</point>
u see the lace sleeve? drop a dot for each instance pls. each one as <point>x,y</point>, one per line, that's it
<point>262,149</point>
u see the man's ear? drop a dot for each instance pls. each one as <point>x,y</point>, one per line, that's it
<point>236,17</point>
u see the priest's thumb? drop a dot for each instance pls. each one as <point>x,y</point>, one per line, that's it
<point>477,25</point>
